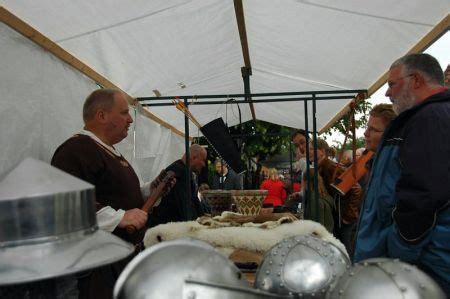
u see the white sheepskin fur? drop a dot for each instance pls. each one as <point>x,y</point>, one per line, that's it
<point>227,239</point>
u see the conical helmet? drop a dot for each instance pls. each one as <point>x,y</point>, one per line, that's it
<point>48,226</point>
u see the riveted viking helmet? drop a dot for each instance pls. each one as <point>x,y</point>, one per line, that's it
<point>385,278</point>
<point>302,266</point>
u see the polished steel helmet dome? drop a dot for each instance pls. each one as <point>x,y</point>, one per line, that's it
<point>301,266</point>
<point>184,268</point>
<point>385,278</point>
<point>161,270</point>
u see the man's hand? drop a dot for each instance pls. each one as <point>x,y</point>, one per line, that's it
<point>134,217</point>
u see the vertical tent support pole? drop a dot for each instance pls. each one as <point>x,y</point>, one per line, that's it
<point>316,189</point>
<point>188,154</point>
<point>305,198</point>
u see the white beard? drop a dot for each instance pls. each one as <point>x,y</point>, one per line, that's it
<point>405,101</point>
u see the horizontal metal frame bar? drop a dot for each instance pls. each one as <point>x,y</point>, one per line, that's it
<point>256,101</point>
<point>234,136</point>
<point>253,95</point>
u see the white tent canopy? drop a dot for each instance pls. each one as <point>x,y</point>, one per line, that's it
<point>183,47</point>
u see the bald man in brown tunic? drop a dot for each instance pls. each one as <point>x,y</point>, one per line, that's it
<point>90,155</point>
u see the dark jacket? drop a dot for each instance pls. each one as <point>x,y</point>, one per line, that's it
<point>178,205</point>
<point>232,181</point>
<point>406,211</point>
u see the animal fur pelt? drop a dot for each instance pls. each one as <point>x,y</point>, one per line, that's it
<point>228,239</point>
<point>228,219</point>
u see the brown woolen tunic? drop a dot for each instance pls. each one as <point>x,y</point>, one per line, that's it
<point>116,183</point>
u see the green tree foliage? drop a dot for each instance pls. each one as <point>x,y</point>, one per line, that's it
<point>361,118</point>
<point>359,143</point>
<point>262,139</point>
<point>259,140</point>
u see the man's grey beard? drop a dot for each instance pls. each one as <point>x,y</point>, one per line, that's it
<point>396,108</point>
<point>400,108</point>
<point>401,105</point>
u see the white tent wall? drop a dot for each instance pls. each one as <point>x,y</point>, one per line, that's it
<point>40,103</point>
<point>193,47</point>
<point>153,146</point>
<point>41,106</point>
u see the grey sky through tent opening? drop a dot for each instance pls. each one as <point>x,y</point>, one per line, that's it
<point>440,49</point>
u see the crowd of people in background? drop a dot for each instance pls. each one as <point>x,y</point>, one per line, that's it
<point>399,209</point>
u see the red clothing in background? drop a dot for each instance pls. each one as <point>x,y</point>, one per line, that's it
<point>276,195</point>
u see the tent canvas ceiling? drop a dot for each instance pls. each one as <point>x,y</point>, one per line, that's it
<point>294,45</point>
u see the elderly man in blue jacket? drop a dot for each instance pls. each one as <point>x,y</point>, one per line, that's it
<point>406,211</point>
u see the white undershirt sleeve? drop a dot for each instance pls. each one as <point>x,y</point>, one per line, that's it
<point>108,218</point>
<point>145,190</point>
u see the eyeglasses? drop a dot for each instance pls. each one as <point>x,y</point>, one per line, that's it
<point>391,84</point>
<point>373,130</point>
